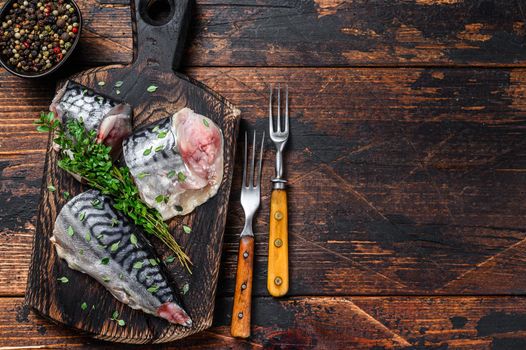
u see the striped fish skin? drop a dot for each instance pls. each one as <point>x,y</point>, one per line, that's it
<point>95,239</point>
<point>177,162</point>
<point>111,119</point>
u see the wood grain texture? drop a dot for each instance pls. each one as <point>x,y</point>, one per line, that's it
<point>428,161</point>
<point>358,32</point>
<point>325,33</point>
<point>411,323</point>
<point>242,309</point>
<point>278,245</point>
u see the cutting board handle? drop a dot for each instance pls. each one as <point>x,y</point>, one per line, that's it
<point>160,32</point>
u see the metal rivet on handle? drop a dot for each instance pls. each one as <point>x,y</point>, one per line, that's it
<point>240,315</point>
<point>278,281</point>
<point>245,255</point>
<point>244,286</point>
<point>278,242</point>
<point>278,215</point>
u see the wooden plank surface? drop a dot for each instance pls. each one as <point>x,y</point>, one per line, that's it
<point>403,181</point>
<point>379,323</point>
<point>325,33</point>
<point>430,164</point>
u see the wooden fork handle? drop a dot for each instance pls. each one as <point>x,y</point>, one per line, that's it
<point>240,326</point>
<point>278,245</point>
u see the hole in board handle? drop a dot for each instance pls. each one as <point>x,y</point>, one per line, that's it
<point>157,12</point>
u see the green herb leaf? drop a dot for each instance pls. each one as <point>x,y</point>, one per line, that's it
<point>161,198</point>
<point>153,289</point>
<point>156,128</point>
<point>81,251</point>
<point>51,188</point>
<point>65,194</point>
<point>142,175</point>
<point>118,83</point>
<point>105,261</point>
<point>84,306</point>
<point>115,246</point>
<point>82,216</point>
<point>101,83</point>
<point>97,204</point>
<point>87,236</point>
<point>159,148</point>
<point>187,229</point>
<point>133,240</point>
<point>82,155</point>
<point>106,279</point>
<point>138,265</point>
<point>152,88</point>
<point>153,262</point>
<point>186,288</point>
<point>114,222</point>
<point>121,323</point>
<point>118,92</point>
<point>43,128</point>
<point>171,174</point>
<point>169,259</point>
<point>162,134</point>
<point>147,151</point>
<point>115,315</point>
<point>206,122</point>
<point>181,177</point>
<point>70,231</point>
<point>63,279</point>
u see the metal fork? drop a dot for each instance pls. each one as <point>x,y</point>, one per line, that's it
<point>278,247</point>
<point>279,135</point>
<point>250,198</point>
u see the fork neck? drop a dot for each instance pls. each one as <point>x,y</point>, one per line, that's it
<point>247,229</point>
<point>278,181</point>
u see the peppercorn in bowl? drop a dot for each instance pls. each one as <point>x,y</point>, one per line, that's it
<point>37,37</point>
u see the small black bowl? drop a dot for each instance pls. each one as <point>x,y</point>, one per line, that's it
<point>11,69</point>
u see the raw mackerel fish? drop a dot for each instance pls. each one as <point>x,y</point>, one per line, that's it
<point>177,162</point>
<point>97,240</point>
<point>111,119</point>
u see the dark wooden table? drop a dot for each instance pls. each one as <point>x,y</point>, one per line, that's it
<point>407,169</point>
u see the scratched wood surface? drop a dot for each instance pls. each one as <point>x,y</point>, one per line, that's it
<point>325,33</point>
<point>406,176</point>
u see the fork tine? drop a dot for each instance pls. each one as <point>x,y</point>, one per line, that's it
<point>286,109</point>
<point>245,163</point>
<point>258,178</point>
<point>278,124</point>
<point>251,178</point>
<point>270,121</point>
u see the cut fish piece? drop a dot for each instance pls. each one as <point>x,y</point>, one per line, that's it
<point>111,119</point>
<point>97,240</point>
<point>177,162</point>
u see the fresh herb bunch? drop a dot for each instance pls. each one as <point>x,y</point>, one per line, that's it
<point>81,154</point>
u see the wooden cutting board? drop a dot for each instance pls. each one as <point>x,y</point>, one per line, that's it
<point>160,30</point>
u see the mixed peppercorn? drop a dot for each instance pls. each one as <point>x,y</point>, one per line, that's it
<point>36,35</point>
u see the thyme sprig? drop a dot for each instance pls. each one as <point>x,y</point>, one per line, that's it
<point>81,154</point>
